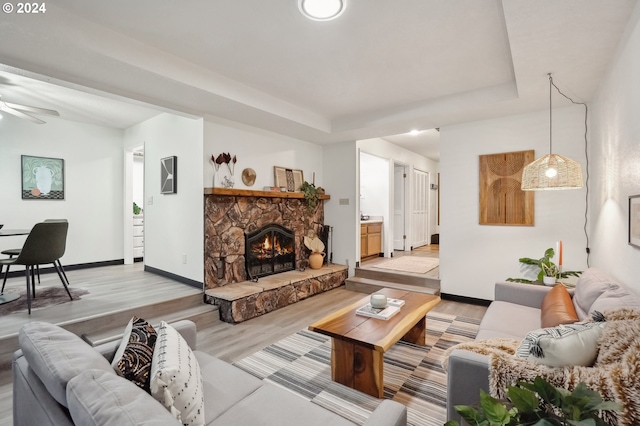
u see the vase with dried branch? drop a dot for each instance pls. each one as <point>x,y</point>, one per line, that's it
<point>224,158</point>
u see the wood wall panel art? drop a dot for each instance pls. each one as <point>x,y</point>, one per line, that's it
<point>502,202</point>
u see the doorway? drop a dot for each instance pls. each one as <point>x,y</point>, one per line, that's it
<point>133,206</point>
<point>399,223</point>
<point>420,202</point>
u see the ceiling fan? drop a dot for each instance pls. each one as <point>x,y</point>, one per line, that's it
<point>22,110</point>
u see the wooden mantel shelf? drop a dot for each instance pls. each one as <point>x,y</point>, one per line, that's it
<point>232,192</point>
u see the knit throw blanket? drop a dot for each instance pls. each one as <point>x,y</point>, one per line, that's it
<point>615,374</point>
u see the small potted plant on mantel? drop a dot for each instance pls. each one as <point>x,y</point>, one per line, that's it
<point>316,246</point>
<point>311,194</point>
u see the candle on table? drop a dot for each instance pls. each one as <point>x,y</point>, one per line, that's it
<point>560,255</point>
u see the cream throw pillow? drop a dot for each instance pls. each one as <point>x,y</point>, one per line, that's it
<point>175,377</point>
<point>562,346</point>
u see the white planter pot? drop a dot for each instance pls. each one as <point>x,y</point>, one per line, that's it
<point>549,280</point>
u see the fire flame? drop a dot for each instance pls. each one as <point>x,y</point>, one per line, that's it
<point>270,247</point>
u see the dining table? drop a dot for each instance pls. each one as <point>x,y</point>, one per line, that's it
<point>13,232</point>
<point>10,297</point>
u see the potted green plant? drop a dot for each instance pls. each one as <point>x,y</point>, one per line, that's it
<point>551,273</point>
<point>311,194</point>
<point>538,403</point>
<point>316,246</point>
<point>547,269</point>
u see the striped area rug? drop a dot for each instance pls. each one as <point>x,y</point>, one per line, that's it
<point>413,375</point>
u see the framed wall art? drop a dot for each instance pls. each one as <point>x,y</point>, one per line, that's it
<point>42,178</point>
<point>502,201</point>
<point>169,175</point>
<point>288,178</point>
<point>634,220</point>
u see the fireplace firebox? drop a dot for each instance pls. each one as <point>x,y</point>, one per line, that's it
<point>269,250</point>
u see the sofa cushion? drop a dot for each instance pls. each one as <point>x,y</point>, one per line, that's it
<point>591,284</point>
<point>557,308</point>
<point>273,405</point>
<point>133,357</point>
<point>100,398</point>
<point>176,380</point>
<point>57,356</point>
<point>562,346</point>
<point>613,299</point>
<point>224,385</point>
<point>496,321</point>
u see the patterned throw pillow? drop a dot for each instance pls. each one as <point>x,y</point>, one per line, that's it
<point>562,346</point>
<point>133,357</point>
<point>176,380</point>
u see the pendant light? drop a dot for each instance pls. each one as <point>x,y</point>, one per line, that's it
<point>552,171</point>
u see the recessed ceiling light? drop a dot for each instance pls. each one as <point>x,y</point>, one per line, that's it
<point>415,132</point>
<point>321,10</point>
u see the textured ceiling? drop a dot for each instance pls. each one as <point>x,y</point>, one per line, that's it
<point>384,67</point>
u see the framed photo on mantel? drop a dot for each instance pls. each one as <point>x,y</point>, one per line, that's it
<point>288,178</point>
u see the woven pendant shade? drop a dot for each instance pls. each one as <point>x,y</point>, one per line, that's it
<point>553,171</point>
<point>535,176</point>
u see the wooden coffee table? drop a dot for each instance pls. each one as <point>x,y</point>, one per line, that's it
<point>358,343</point>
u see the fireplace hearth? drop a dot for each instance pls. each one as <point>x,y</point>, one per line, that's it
<point>269,250</point>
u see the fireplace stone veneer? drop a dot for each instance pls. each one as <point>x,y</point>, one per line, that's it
<point>227,218</point>
<point>232,214</point>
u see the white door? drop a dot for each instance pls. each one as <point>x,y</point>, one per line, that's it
<point>420,203</point>
<point>399,179</point>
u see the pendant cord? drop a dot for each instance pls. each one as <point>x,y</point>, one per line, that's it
<point>586,155</point>
<point>550,117</point>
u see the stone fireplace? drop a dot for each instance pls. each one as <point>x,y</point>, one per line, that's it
<point>251,237</point>
<point>231,214</point>
<point>269,250</point>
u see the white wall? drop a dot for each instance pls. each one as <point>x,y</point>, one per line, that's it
<point>257,149</point>
<point>93,181</point>
<point>374,187</point>
<point>174,224</point>
<point>394,154</point>
<point>341,173</point>
<point>615,161</point>
<point>472,256</point>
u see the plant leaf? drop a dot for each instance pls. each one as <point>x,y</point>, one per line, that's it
<point>584,422</point>
<point>524,400</point>
<point>493,409</point>
<point>519,280</point>
<point>548,392</point>
<point>548,422</point>
<point>548,254</point>
<point>468,413</point>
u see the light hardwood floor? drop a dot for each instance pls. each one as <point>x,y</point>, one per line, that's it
<point>432,250</point>
<point>111,288</point>
<point>233,342</point>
